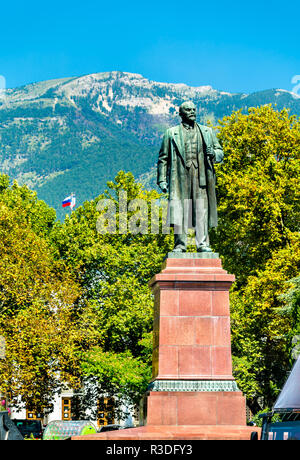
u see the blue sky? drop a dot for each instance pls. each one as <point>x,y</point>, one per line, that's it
<point>233,46</point>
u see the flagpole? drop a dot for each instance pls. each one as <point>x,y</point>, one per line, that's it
<point>70,201</point>
<point>72,206</point>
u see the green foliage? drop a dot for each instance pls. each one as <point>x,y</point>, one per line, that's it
<point>290,310</point>
<point>24,201</point>
<point>258,187</point>
<point>258,238</point>
<point>117,374</point>
<point>261,336</point>
<point>37,296</point>
<point>259,420</point>
<point>291,307</point>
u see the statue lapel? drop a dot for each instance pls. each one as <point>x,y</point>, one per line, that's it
<point>205,135</point>
<point>179,142</point>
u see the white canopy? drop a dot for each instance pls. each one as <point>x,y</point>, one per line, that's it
<point>289,397</point>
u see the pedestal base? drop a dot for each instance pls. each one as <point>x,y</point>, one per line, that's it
<point>192,395</point>
<point>194,408</point>
<point>176,433</point>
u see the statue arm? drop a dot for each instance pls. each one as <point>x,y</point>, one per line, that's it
<point>218,151</point>
<point>163,163</point>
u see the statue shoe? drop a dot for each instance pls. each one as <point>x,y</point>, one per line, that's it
<point>179,249</point>
<point>204,249</point>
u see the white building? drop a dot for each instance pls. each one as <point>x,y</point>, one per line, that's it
<point>63,410</point>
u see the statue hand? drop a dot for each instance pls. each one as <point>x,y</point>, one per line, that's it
<point>164,187</point>
<point>210,152</point>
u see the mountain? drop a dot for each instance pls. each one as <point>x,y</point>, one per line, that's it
<point>75,134</point>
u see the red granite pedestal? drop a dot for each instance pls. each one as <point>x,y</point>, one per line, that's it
<point>192,394</point>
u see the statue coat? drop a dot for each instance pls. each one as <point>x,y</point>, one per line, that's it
<point>171,169</point>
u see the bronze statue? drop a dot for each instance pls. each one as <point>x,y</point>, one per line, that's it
<point>186,169</point>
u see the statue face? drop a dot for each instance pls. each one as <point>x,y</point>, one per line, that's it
<point>187,112</point>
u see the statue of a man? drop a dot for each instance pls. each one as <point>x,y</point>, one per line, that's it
<point>186,169</point>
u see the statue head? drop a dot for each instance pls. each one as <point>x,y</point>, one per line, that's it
<point>187,112</point>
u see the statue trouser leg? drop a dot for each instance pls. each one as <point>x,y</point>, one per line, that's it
<point>180,241</point>
<point>202,238</point>
<point>181,232</point>
<point>195,214</point>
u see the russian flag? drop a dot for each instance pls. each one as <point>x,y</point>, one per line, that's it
<point>69,201</point>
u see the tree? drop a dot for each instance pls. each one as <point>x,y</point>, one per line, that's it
<point>291,310</point>
<point>261,334</point>
<point>258,188</point>
<point>258,239</point>
<point>36,212</point>
<point>37,297</point>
